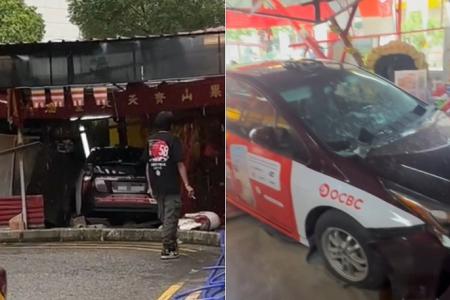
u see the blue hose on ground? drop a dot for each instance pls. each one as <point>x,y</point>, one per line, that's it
<point>214,288</point>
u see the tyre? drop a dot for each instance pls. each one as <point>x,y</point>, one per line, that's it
<point>343,244</point>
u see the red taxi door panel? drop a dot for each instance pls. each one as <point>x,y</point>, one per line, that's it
<point>260,179</point>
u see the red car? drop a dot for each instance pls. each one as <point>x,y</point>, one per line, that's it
<point>345,162</point>
<point>112,184</point>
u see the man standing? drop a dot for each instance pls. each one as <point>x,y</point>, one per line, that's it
<point>164,167</point>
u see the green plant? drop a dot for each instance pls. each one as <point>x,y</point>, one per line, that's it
<point>112,18</point>
<point>20,23</point>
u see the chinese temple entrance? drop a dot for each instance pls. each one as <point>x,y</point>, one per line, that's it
<point>112,104</point>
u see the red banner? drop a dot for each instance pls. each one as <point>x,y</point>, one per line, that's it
<point>375,8</point>
<point>57,95</point>
<point>77,94</point>
<point>71,108</point>
<point>38,98</point>
<point>140,99</point>
<point>137,100</point>
<point>101,96</point>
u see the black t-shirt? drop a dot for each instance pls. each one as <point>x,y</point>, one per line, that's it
<point>163,153</point>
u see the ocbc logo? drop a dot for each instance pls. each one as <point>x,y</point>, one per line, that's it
<point>342,198</point>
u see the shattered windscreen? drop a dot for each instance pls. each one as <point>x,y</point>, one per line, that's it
<point>351,110</point>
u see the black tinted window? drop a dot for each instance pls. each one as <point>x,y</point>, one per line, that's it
<point>249,112</point>
<point>118,155</point>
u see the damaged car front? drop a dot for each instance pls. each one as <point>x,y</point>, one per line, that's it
<point>415,169</point>
<point>371,126</point>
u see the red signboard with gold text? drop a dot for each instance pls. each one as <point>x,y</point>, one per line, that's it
<point>136,100</point>
<point>140,99</point>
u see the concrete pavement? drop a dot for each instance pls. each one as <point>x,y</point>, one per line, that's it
<point>264,266</point>
<point>100,271</point>
<point>209,238</point>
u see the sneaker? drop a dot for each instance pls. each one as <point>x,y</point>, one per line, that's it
<point>169,254</point>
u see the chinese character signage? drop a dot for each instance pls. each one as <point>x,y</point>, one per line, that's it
<point>136,100</point>
<point>140,99</point>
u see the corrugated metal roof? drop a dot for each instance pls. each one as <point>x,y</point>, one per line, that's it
<point>220,29</point>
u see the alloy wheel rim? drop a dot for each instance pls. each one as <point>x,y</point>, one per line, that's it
<point>345,254</point>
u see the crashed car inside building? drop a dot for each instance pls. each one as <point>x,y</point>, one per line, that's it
<point>345,162</point>
<point>113,182</point>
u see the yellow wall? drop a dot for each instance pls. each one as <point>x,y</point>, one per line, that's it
<point>136,133</point>
<point>432,4</point>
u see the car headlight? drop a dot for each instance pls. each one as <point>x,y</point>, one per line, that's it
<point>436,215</point>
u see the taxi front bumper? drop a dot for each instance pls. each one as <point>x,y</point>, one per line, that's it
<point>418,265</point>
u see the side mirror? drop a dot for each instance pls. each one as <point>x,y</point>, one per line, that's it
<point>264,135</point>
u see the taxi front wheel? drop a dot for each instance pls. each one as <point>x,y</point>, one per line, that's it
<point>342,242</point>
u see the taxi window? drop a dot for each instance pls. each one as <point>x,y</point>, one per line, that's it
<point>351,110</point>
<point>247,110</point>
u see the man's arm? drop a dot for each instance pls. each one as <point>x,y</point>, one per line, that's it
<point>144,160</point>
<point>184,177</point>
<point>149,184</point>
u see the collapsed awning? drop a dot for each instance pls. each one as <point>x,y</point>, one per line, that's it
<point>285,12</point>
<point>264,15</point>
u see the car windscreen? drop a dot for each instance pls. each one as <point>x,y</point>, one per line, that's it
<point>348,109</point>
<point>115,156</point>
